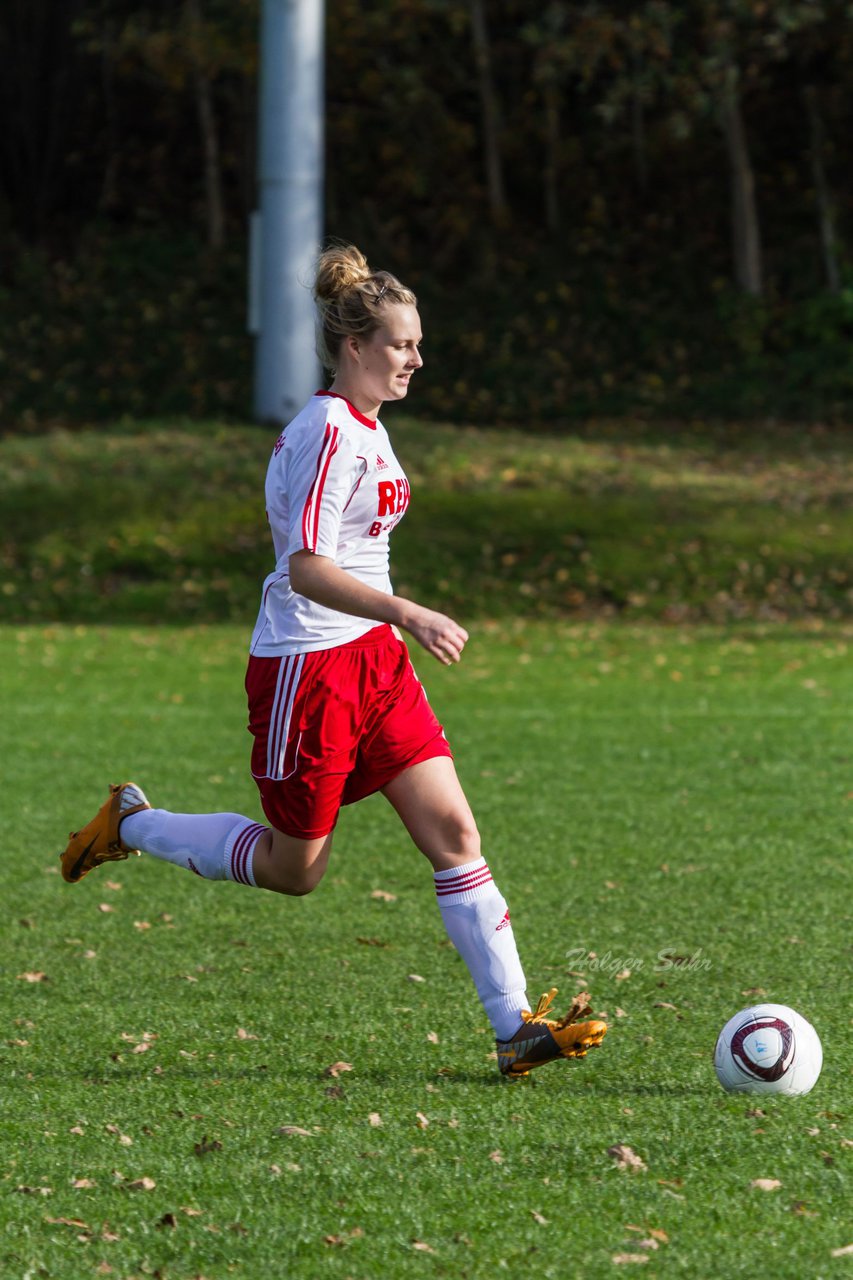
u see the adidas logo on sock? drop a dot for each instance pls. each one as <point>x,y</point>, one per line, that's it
<point>503,924</point>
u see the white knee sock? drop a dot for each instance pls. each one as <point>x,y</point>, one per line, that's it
<point>477,921</point>
<point>216,846</point>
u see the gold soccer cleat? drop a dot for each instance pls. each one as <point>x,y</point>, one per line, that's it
<point>540,1039</point>
<point>99,840</point>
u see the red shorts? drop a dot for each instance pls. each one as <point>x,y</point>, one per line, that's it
<point>335,726</point>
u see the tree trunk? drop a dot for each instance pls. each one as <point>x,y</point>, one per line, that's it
<point>490,113</point>
<point>825,216</point>
<point>108,198</point>
<point>214,201</point>
<point>551,168</point>
<point>638,125</point>
<point>746,232</point>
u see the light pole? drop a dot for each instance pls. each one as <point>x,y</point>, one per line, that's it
<point>287,229</point>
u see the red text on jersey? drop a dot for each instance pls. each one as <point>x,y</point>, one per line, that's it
<point>393,497</point>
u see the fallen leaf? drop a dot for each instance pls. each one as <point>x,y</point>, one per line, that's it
<point>649,1243</point>
<point>657,1233</point>
<point>623,975</point>
<point>664,1004</point>
<point>625,1157</point>
<point>141,925</point>
<point>422,1246</point>
<point>620,1013</point>
<point>113,884</point>
<point>105,907</point>
<point>766,1184</point>
<point>83,1184</point>
<point>141,1184</point>
<point>36,976</point>
<point>374,1120</point>
<point>336,1069</point>
<point>78,1130</point>
<point>381,896</point>
<point>843,1252</point>
<point>496,1157</point>
<point>167,1220</point>
<point>206,1145</point>
<point>69,1222</point>
<point>754,991</point>
<point>537,1217</point>
<point>432,1037</point>
<point>190,1212</point>
<point>414,977</point>
<point>421,1120</point>
<point>242,1034</point>
<point>638,1258</point>
<point>24,1190</point>
<point>373,942</point>
<point>294,1131</point>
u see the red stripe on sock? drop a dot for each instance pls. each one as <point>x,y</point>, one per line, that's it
<point>242,851</point>
<point>463,884</point>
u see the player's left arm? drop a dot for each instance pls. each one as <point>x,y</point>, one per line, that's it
<point>318,578</point>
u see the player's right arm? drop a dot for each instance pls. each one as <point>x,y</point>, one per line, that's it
<point>318,578</point>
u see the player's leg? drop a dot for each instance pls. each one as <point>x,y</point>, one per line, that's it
<point>215,846</point>
<point>287,864</point>
<point>433,807</point>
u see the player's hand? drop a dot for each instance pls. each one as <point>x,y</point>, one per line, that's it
<point>439,635</point>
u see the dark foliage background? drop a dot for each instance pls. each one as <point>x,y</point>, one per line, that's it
<point>605,209</point>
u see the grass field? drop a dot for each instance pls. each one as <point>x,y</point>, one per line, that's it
<point>643,792</point>
<point>164,521</point>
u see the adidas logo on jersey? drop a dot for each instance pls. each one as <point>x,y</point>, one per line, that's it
<point>380,465</point>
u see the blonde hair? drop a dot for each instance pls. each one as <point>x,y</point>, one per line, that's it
<point>350,297</point>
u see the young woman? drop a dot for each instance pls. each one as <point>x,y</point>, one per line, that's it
<point>335,707</point>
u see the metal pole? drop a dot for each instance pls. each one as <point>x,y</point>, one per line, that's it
<point>289,230</point>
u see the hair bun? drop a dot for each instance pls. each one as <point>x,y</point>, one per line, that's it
<point>339,268</point>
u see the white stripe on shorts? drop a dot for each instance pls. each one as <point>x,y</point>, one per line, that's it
<point>289,672</point>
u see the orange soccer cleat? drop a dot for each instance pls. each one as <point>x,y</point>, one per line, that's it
<point>540,1039</point>
<point>99,840</point>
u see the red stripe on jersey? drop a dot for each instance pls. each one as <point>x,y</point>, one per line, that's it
<point>311,510</point>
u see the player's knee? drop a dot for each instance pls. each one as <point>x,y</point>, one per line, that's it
<point>296,885</point>
<point>462,836</point>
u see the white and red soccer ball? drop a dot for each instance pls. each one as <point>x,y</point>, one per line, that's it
<point>768,1049</point>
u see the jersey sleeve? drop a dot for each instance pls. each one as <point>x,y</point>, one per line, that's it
<point>322,475</point>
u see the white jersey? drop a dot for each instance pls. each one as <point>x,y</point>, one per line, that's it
<point>335,488</point>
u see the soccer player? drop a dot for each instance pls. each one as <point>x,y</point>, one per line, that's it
<point>335,707</point>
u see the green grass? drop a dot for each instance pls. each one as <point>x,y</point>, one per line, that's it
<point>164,522</point>
<point>639,789</point>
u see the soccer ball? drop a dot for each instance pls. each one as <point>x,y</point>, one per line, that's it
<point>768,1048</point>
